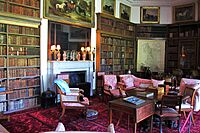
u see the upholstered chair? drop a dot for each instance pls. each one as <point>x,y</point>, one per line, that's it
<point>111,87</point>
<point>70,98</point>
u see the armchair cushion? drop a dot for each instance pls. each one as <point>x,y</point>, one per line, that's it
<point>128,81</point>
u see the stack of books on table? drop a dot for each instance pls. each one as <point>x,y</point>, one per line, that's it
<point>134,100</point>
<point>144,94</point>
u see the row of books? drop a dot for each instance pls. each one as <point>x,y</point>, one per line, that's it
<point>22,30</point>
<point>117,24</point>
<point>116,41</point>
<point>3,106</point>
<point>118,67</point>
<point>24,93</point>
<point>106,61</point>
<point>3,73</point>
<point>108,54</point>
<point>23,51</point>
<point>2,62</point>
<point>23,72</point>
<point>22,103</point>
<point>23,40</point>
<point>26,11</point>
<point>33,3</point>
<point>23,83</point>
<point>2,39</point>
<point>2,49</point>
<point>24,62</point>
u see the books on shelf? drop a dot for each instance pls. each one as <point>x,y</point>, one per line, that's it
<point>134,100</point>
<point>144,94</point>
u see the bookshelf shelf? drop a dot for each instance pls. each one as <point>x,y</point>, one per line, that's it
<point>115,45</point>
<point>20,65</point>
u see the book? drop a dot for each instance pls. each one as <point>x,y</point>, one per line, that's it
<point>144,94</point>
<point>134,100</point>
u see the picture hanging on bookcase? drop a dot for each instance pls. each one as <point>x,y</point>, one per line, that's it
<point>125,11</point>
<point>79,13</point>
<point>184,13</point>
<point>108,7</point>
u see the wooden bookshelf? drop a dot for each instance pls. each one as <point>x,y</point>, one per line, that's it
<point>182,49</point>
<point>20,66</point>
<point>115,45</point>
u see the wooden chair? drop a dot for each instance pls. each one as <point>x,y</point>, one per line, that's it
<point>71,99</point>
<point>167,109</point>
<point>188,101</point>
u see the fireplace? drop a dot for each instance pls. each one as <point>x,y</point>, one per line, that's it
<point>75,77</point>
<point>78,71</point>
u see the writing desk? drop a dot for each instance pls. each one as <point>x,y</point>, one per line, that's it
<point>138,112</point>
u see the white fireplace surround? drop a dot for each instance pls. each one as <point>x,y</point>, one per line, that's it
<point>56,67</point>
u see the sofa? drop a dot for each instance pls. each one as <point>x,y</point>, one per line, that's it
<point>132,82</point>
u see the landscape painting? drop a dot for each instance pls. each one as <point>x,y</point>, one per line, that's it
<point>77,12</point>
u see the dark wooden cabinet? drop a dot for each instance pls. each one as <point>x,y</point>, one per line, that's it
<point>182,49</point>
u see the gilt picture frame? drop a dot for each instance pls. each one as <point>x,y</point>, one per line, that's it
<point>125,12</point>
<point>150,14</point>
<point>184,13</point>
<point>80,13</point>
<point>108,7</point>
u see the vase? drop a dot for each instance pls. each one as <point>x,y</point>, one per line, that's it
<point>64,56</point>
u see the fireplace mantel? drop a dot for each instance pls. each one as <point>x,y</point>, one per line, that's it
<point>56,67</point>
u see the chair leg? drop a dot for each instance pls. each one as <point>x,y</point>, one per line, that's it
<point>184,114</point>
<point>119,119</point>
<point>63,112</point>
<point>192,118</point>
<point>179,123</point>
<point>160,125</point>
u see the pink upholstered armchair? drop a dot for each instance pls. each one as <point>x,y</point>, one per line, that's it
<point>111,87</point>
<point>70,98</point>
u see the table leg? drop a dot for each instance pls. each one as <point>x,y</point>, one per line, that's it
<point>110,116</point>
<point>134,127</point>
<point>151,123</point>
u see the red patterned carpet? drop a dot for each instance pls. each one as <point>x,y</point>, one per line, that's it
<point>38,119</point>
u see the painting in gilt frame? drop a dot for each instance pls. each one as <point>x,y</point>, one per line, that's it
<point>76,12</point>
<point>108,7</point>
<point>184,13</point>
<point>125,12</point>
<point>150,15</point>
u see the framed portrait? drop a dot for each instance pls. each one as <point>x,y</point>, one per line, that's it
<point>125,12</point>
<point>80,13</point>
<point>108,7</point>
<point>184,13</point>
<point>150,15</point>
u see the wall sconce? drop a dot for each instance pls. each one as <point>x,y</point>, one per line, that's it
<point>55,51</point>
<point>85,53</point>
